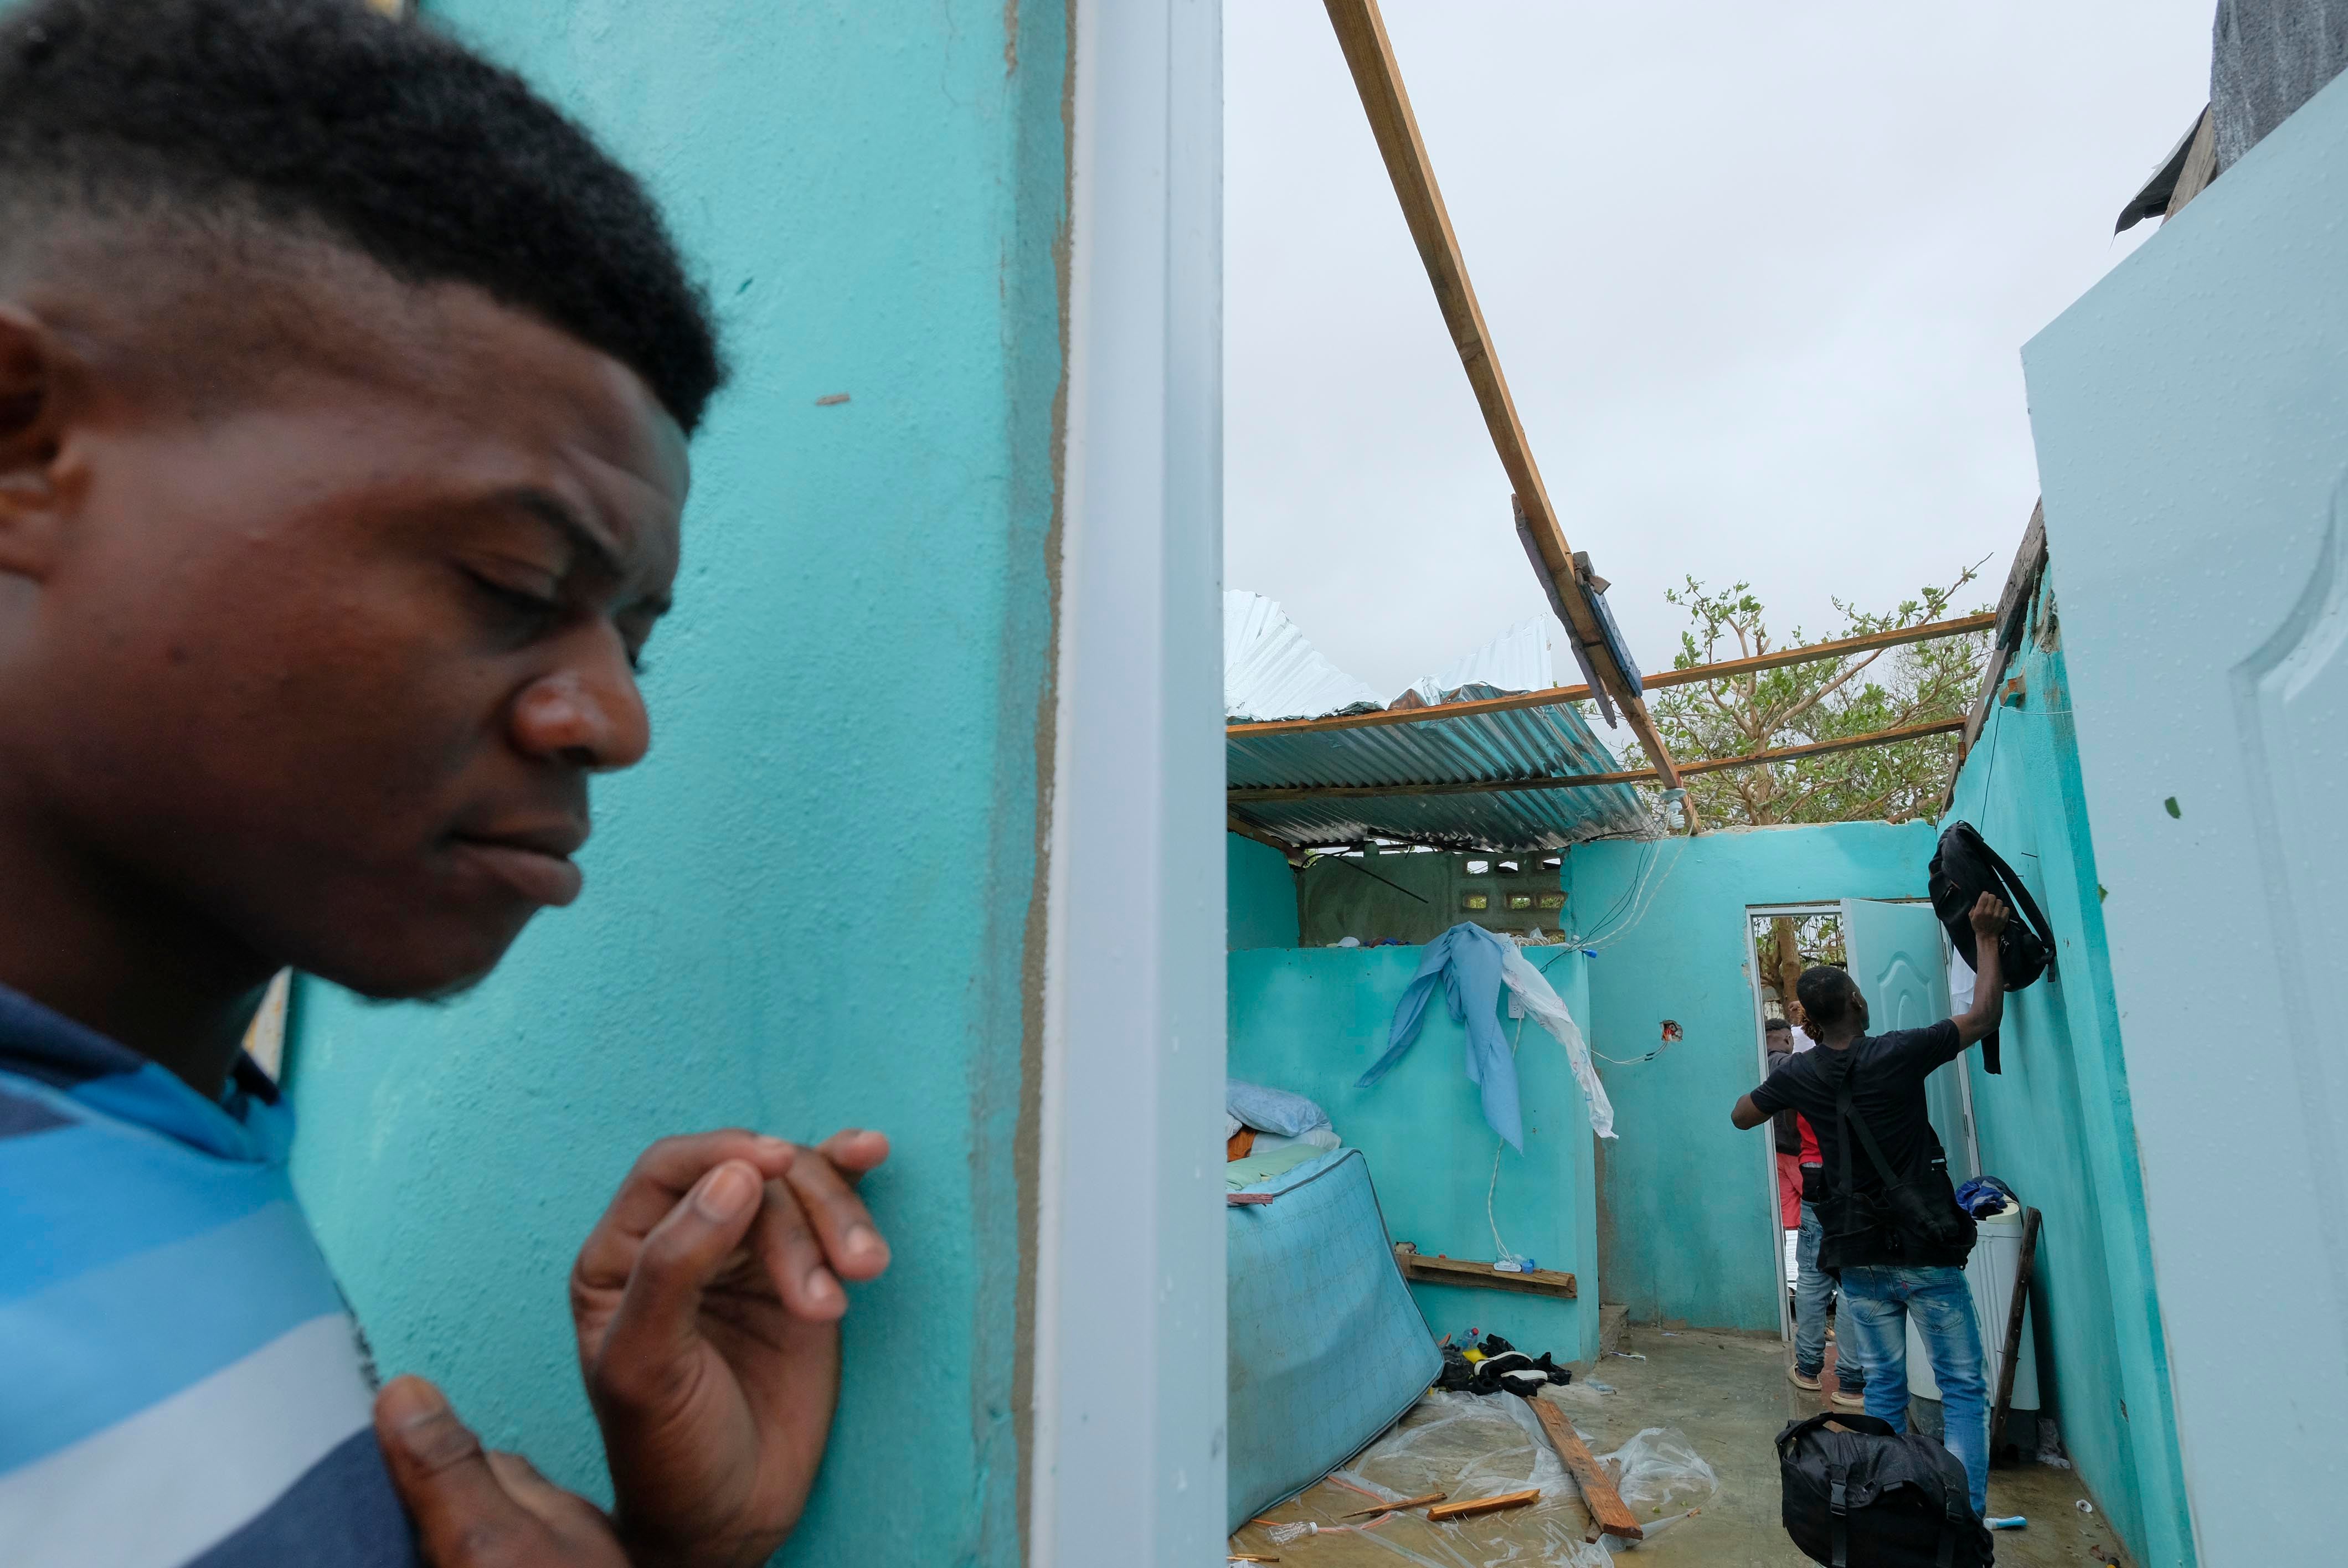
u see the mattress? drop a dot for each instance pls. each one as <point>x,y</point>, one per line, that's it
<point>1328,1349</point>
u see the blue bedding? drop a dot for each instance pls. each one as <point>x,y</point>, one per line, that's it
<point>1328,1349</point>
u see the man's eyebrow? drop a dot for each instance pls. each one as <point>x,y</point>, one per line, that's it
<point>585,541</point>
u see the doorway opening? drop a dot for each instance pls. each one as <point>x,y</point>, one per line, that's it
<point>1784,939</point>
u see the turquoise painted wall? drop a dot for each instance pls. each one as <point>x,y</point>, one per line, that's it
<point>1310,1019</point>
<point>815,905</point>
<point>2056,1125</point>
<point>1686,1200</point>
<point>1260,907</point>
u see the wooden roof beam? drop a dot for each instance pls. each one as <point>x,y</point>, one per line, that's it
<point>1246,827</point>
<point>1554,696</point>
<point>1369,56</point>
<point>1584,781</point>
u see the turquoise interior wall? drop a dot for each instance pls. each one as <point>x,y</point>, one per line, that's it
<point>815,905</point>
<point>1260,907</point>
<point>1686,1201</point>
<point>1310,1019</point>
<point>2055,1123</point>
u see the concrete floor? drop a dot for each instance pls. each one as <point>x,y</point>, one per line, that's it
<point>1730,1396</point>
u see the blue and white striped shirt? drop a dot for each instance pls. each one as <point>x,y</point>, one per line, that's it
<point>181,1382</point>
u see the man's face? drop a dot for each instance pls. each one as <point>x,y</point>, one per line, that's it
<point>322,671</point>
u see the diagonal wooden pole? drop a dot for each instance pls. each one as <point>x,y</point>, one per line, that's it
<point>1369,54</point>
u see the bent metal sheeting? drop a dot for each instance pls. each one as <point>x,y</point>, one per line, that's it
<point>1531,742</point>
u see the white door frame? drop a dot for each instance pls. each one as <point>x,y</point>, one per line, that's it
<point>1127,1441</point>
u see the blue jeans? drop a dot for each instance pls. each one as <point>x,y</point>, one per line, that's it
<point>1877,1305</point>
<point>1812,1292</point>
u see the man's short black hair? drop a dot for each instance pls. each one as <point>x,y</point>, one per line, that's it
<point>1772,1026</point>
<point>397,142</point>
<point>1824,992</point>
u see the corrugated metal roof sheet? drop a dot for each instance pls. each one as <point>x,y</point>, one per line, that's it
<point>1516,660</point>
<point>1277,668</point>
<point>1270,671</point>
<point>1530,743</point>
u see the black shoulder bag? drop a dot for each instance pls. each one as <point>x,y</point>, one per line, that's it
<point>1918,1220</point>
<point>1963,869</point>
<point>1855,1494</point>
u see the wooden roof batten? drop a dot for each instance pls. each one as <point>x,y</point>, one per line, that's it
<point>1369,56</point>
<point>1554,696</point>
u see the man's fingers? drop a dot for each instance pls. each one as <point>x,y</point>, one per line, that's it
<point>851,1242</point>
<point>436,1462</point>
<point>566,1512</point>
<point>791,1253</point>
<point>654,1326</point>
<point>856,1152</point>
<point>651,1190</point>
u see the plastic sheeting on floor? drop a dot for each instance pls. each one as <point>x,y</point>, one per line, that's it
<point>1468,1446</point>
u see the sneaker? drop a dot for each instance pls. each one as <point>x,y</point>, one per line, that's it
<point>1801,1380</point>
<point>1850,1399</point>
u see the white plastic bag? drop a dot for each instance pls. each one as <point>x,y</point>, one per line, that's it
<point>1530,992</point>
<point>1662,1478</point>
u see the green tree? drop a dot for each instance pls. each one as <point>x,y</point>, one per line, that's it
<point>1825,700</point>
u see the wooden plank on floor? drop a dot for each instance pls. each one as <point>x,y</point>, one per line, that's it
<point>1605,1505</point>
<point>1443,1510</point>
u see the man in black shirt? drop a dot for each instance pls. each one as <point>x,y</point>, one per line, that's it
<point>1890,1272</point>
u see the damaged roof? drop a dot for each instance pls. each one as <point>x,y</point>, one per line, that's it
<point>1524,744</point>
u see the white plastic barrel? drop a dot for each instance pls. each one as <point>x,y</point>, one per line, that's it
<point>1990,1272</point>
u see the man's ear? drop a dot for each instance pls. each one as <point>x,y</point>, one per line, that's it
<point>31,438</point>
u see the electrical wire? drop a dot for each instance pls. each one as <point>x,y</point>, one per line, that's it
<point>1501,1252</point>
<point>1644,891</point>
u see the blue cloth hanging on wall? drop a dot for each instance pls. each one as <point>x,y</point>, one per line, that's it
<point>1466,959</point>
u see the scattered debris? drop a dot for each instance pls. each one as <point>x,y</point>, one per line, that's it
<point>1606,1506</point>
<point>832,400</point>
<point>1662,1477</point>
<point>1484,1504</point>
<point>2083,1506</point>
<point>1281,1534</point>
<point>1396,1506</point>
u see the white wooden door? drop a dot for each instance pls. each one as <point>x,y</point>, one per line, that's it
<point>2191,417</point>
<point>1897,957</point>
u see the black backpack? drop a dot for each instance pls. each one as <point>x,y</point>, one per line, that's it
<point>1868,1497</point>
<point>1963,869</point>
<point>1914,1215</point>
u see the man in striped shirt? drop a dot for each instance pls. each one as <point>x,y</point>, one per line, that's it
<point>345,395</point>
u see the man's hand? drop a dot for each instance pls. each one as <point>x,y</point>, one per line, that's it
<point>707,1304</point>
<point>476,1509</point>
<point>1989,917</point>
<point>1980,1021</point>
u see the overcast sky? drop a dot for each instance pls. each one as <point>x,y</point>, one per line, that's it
<point>1758,274</point>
